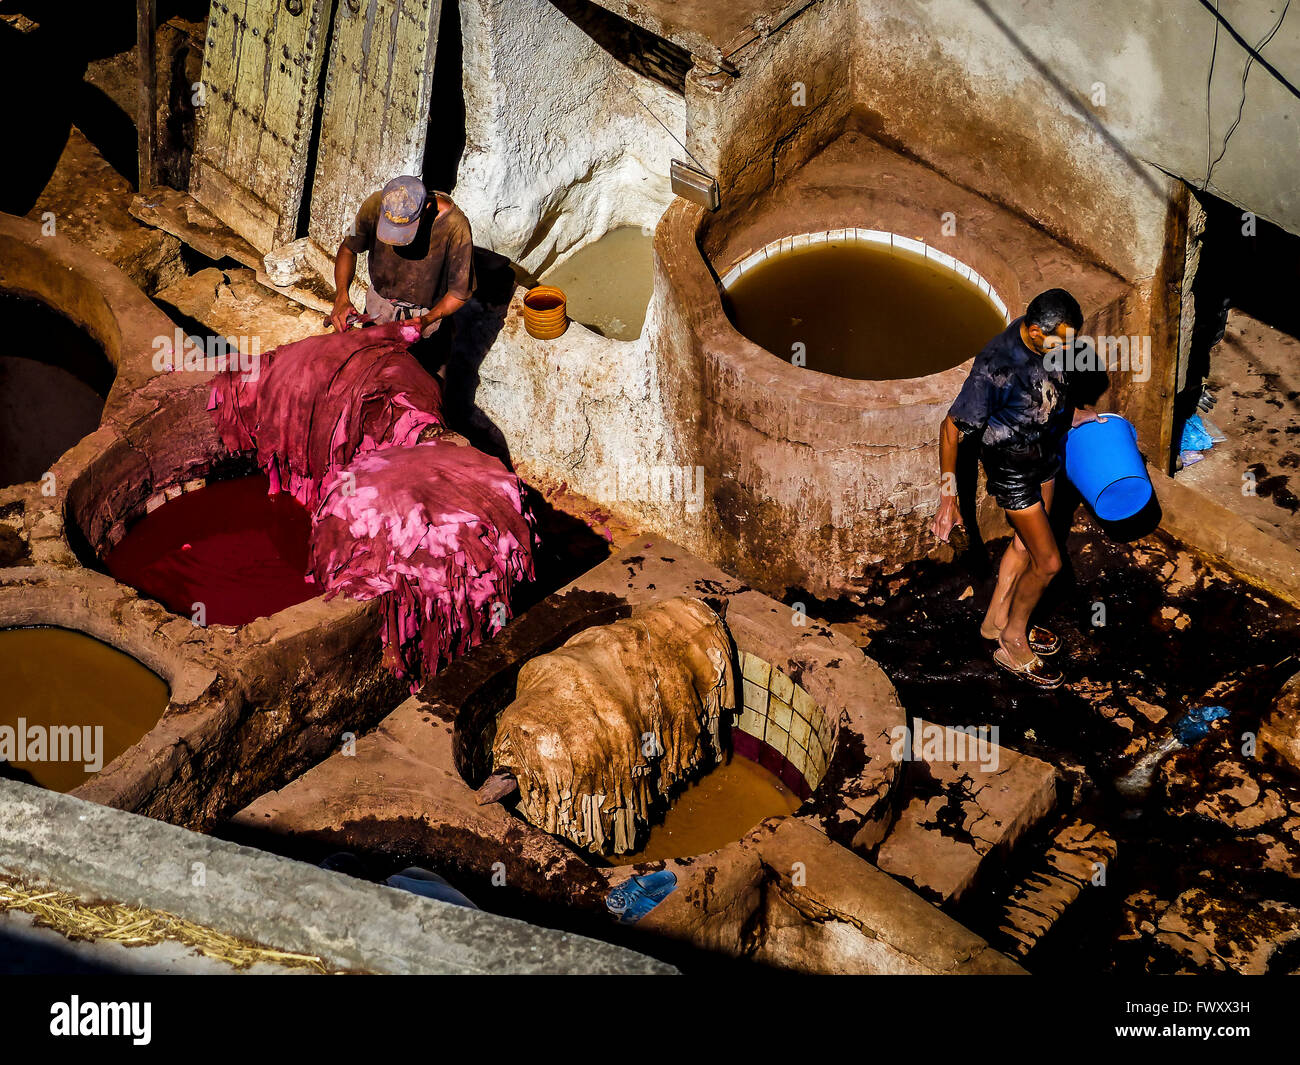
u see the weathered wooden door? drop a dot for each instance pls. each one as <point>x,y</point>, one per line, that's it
<point>375,114</point>
<point>261,77</point>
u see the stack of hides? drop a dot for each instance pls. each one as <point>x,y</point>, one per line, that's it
<point>314,405</point>
<point>605,728</point>
<point>438,531</point>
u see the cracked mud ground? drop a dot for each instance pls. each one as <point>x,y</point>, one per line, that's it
<point>1207,876</point>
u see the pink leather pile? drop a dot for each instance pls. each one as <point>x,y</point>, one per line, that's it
<point>314,405</point>
<point>438,531</point>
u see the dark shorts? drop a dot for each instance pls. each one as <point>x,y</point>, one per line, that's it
<point>1015,476</point>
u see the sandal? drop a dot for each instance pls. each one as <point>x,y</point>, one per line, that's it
<point>1033,671</point>
<point>1041,641</point>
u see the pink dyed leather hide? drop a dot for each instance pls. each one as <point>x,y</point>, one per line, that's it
<point>316,404</point>
<point>440,531</point>
<point>437,531</point>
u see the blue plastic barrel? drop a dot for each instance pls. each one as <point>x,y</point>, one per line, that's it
<point>1103,461</point>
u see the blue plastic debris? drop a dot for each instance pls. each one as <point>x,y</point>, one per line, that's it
<point>1195,438</point>
<point>1216,434</point>
<point>1195,724</point>
<point>428,884</point>
<point>634,898</point>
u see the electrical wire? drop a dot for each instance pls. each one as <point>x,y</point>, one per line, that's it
<point>628,89</point>
<point>1254,54</point>
<point>1209,99</point>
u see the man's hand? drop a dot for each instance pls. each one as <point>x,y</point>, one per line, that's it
<point>345,269</point>
<point>428,318</point>
<point>1083,414</point>
<point>946,518</point>
<point>339,315</point>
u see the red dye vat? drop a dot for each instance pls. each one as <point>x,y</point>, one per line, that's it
<point>229,546</point>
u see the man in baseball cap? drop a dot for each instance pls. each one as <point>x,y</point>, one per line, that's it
<point>420,254</point>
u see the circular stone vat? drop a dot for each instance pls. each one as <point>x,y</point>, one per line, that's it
<point>871,308</point>
<point>609,282</point>
<point>72,704</point>
<point>54,378</point>
<point>227,545</point>
<point>779,746</point>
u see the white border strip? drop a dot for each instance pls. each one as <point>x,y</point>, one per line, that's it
<point>867,236</point>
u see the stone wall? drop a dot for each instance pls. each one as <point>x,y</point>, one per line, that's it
<point>1005,90</point>
<point>793,94</point>
<point>558,150</point>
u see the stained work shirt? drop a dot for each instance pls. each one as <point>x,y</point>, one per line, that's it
<point>440,259</point>
<point>1011,398</point>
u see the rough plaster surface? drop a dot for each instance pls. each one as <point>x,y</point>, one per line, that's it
<point>600,402</point>
<point>792,96</point>
<point>1003,95</point>
<point>948,79</point>
<point>557,150</point>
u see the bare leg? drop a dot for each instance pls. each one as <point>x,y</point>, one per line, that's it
<point>1035,532</point>
<point>1015,560</point>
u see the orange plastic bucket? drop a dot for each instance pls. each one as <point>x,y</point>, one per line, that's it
<point>545,312</point>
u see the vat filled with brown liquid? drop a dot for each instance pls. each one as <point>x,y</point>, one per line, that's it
<point>862,310</point>
<point>608,283</point>
<point>71,704</point>
<point>54,378</point>
<point>717,809</point>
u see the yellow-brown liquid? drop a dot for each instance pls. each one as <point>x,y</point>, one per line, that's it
<point>863,311</point>
<point>608,283</point>
<point>57,677</point>
<point>719,808</point>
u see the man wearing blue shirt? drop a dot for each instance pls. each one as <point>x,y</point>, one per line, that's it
<point>1016,400</point>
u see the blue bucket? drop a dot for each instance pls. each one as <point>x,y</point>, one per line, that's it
<point>1103,461</point>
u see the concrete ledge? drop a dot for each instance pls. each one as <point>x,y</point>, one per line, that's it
<point>1227,538</point>
<point>788,896</point>
<point>101,853</point>
<point>999,793</point>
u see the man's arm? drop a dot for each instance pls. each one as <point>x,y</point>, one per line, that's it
<point>449,304</point>
<point>948,514</point>
<point>345,269</point>
<point>460,277</point>
<point>968,414</point>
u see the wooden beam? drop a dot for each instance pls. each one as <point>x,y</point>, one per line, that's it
<point>146,118</point>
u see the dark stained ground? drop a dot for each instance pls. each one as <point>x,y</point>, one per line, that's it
<point>1208,870</point>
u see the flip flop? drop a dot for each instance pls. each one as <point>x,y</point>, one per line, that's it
<point>1033,671</point>
<point>1041,641</point>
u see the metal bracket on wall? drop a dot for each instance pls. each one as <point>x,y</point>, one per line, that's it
<point>692,183</point>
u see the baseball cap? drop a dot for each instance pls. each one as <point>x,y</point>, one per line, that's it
<point>400,210</point>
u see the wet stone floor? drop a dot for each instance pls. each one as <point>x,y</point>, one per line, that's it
<point>1207,876</point>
